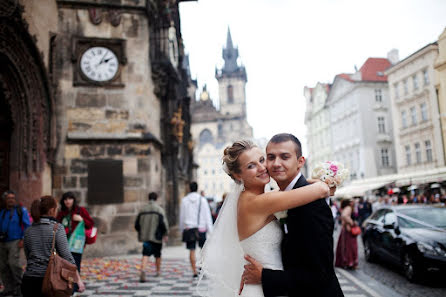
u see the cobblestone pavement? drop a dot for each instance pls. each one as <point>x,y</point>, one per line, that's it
<point>115,277</point>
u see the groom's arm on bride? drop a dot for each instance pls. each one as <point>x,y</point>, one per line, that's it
<point>252,274</point>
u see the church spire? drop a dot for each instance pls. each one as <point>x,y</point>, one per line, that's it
<point>230,55</point>
<point>229,40</point>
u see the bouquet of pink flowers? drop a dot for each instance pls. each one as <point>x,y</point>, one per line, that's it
<point>331,172</point>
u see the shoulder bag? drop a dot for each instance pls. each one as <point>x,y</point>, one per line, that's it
<point>60,274</point>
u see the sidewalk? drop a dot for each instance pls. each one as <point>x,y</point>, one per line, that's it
<point>119,276</point>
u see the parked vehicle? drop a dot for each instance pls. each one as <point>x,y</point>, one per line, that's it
<point>412,236</point>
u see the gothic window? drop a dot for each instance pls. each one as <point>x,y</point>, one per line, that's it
<point>205,137</point>
<point>230,94</point>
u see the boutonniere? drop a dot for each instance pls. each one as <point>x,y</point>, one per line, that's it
<point>282,216</point>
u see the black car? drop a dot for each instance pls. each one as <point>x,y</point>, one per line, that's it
<point>413,236</point>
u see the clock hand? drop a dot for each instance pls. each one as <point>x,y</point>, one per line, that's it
<point>102,59</point>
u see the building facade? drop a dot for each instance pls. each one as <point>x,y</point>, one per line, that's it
<point>360,121</point>
<point>317,120</point>
<point>214,129</point>
<point>415,111</point>
<point>440,84</point>
<point>106,108</point>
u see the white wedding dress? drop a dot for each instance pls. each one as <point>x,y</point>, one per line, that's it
<point>264,246</point>
<point>222,257</point>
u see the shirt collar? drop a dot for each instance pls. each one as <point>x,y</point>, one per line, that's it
<point>293,182</point>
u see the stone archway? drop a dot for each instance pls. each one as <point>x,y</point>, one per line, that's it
<point>25,91</point>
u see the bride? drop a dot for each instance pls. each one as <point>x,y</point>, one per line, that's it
<point>246,223</point>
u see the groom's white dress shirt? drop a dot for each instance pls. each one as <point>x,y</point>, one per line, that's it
<point>293,182</point>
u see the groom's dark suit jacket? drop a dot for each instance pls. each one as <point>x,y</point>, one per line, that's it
<point>307,254</point>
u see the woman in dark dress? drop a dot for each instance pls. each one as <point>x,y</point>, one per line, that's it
<point>347,248</point>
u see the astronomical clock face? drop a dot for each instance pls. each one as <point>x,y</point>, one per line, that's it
<point>99,64</point>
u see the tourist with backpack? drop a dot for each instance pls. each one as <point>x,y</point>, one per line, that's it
<point>14,220</point>
<point>152,226</point>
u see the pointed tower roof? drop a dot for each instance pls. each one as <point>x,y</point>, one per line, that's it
<point>230,55</point>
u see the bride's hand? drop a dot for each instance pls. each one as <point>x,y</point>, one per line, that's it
<point>332,191</point>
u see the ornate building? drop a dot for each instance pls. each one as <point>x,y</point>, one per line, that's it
<point>213,129</point>
<point>94,100</point>
<point>360,120</point>
<point>416,114</point>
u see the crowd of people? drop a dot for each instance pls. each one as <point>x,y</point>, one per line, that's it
<point>34,232</point>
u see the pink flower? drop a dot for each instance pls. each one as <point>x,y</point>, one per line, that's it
<point>334,168</point>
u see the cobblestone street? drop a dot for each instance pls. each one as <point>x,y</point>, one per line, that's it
<point>120,277</point>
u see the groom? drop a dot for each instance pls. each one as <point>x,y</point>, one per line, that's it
<point>307,245</point>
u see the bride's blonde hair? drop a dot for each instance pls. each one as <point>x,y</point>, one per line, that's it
<point>231,154</point>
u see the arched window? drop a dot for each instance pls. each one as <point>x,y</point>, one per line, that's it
<point>205,137</point>
<point>230,94</point>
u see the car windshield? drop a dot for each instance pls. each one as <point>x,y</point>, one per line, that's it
<point>432,216</point>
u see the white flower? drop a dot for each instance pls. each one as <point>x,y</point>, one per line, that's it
<point>281,214</point>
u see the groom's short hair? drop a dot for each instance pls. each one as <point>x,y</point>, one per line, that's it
<point>283,137</point>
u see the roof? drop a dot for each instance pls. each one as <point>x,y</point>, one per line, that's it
<point>373,69</point>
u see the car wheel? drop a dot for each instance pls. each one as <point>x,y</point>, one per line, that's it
<point>411,270</point>
<point>369,254</point>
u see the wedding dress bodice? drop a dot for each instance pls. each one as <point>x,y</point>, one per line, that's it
<point>264,246</point>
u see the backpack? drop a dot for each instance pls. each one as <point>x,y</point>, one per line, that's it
<point>161,229</point>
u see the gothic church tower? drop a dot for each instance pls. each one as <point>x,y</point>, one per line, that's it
<point>231,80</point>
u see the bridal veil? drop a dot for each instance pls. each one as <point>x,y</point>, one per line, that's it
<point>221,259</point>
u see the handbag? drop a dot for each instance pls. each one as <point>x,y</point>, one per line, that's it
<point>90,235</point>
<point>76,242</point>
<point>355,230</point>
<point>60,274</point>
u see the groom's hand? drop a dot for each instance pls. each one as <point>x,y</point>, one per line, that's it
<point>252,273</point>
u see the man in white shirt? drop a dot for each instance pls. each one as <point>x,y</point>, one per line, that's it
<point>195,221</point>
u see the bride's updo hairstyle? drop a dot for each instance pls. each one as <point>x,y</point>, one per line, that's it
<point>231,154</point>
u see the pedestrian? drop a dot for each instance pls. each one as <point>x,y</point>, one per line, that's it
<point>37,242</point>
<point>220,204</point>
<point>195,221</point>
<point>364,210</point>
<point>347,248</point>
<point>152,227</point>
<point>14,220</point>
<point>70,215</point>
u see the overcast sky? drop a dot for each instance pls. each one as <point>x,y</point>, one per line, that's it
<point>286,45</point>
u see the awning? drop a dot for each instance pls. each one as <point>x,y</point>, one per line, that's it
<point>356,190</point>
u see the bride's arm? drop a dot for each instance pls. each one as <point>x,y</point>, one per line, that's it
<point>271,202</point>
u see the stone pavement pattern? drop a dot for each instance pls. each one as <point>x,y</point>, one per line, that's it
<point>115,277</point>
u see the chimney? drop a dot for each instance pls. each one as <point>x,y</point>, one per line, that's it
<point>393,56</point>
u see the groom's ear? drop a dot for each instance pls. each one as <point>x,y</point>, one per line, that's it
<point>301,161</point>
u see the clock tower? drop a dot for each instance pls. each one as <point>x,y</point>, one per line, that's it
<point>231,80</point>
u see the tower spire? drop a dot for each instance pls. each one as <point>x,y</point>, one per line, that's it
<point>230,55</point>
<point>229,40</point>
